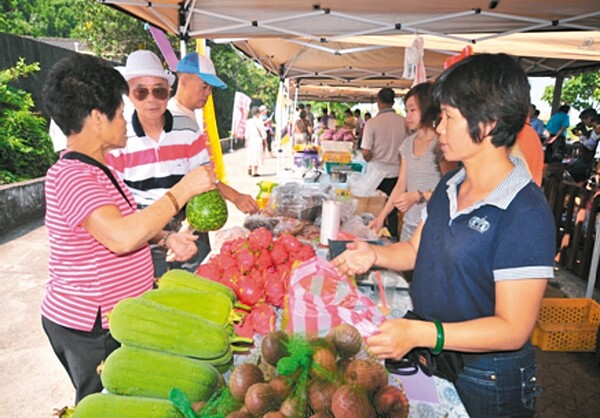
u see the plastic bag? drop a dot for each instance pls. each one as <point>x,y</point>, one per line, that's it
<point>367,184</point>
<point>298,200</point>
<point>356,226</point>
<point>320,298</point>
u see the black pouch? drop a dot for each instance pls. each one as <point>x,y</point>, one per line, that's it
<point>447,364</point>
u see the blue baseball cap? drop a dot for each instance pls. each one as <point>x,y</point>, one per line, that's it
<point>203,67</point>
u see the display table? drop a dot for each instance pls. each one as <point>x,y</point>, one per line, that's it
<point>428,396</point>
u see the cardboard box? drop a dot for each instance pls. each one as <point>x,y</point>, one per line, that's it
<point>370,204</point>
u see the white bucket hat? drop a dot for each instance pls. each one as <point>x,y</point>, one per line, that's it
<point>145,64</point>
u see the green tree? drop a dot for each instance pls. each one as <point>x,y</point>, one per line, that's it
<point>53,18</point>
<point>581,91</point>
<point>25,147</point>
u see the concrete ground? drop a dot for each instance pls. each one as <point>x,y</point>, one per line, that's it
<point>34,382</point>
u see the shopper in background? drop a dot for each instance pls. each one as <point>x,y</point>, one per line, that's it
<point>422,163</point>
<point>380,146</point>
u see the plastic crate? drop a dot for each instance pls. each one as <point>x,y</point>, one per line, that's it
<point>565,324</point>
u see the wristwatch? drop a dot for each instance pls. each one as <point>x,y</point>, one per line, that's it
<point>421,197</point>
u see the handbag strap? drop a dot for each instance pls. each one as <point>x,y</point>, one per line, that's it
<point>73,155</point>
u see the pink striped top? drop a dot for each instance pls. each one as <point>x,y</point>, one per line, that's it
<point>83,274</point>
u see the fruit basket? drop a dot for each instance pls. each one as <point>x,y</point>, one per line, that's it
<point>566,324</point>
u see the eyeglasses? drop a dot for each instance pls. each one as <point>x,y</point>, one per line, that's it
<point>160,93</point>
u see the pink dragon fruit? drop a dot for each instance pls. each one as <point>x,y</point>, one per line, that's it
<point>290,242</point>
<point>279,253</point>
<point>244,328</point>
<point>249,291</point>
<point>260,238</point>
<point>210,271</point>
<point>264,260</point>
<point>263,317</point>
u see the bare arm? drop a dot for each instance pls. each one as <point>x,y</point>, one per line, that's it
<point>123,234</point>
<point>244,202</point>
<point>398,189</point>
<point>517,305</point>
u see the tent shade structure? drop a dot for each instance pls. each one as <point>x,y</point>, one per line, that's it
<point>329,20</point>
<point>354,44</point>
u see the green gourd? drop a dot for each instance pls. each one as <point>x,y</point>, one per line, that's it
<point>104,405</point>
<point>213,306</point>
<point>182,279</point>
<point>144,323</point>
<point>135,371</point>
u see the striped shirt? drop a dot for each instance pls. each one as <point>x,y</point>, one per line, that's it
<point>84,275</point>
<point>150,167</point>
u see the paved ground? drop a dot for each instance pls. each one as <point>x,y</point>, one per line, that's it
<point>34,382</point>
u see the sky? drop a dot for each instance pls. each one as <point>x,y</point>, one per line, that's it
<point>538,84</point>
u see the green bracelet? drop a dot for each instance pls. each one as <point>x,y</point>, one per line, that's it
<point>439,344</point>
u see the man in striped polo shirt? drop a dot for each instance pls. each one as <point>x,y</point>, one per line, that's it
<point>159,150</point>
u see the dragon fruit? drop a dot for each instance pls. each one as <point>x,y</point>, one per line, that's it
<point>279,253</point>
<point>259,239</point>
<point>263,318</point>
<point>245,259</point>
<point>264,260</point>
<point>244,328</point>
<point>249,291</point>
<point>290,242</point>
<point>210,271</point>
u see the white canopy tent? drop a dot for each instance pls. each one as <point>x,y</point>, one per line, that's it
<point>357,44</point>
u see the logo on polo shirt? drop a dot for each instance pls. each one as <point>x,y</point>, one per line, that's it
<point>479,224</point>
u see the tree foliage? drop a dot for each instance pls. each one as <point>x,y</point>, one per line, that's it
<point>581,91</point>
<point>48,18</point>
<point>25,147</point>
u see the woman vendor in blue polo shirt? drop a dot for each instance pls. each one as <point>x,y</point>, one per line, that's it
<point>483,252</point>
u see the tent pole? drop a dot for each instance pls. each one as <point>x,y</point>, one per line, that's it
<point>558,84</point>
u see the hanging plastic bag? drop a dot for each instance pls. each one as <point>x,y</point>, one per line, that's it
<point>320,298</point>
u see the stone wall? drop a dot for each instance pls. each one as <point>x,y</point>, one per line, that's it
<point>21,203</point>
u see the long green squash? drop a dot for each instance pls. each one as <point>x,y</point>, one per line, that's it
<point>141,372</point>
<point>144,323</point>
<point>182,279</point>
<point>214,306</point>
<point>105,405</point>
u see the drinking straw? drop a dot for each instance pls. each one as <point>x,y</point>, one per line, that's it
<point>381,291</point>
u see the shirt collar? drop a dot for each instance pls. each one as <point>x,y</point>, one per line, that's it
<point>137,126</point>
<point>500,197</point>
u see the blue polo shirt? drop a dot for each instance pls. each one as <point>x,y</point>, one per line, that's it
<point>510,235</point>
<point>557,121</point>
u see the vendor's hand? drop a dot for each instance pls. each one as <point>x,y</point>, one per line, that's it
<point>394,339</point>
<point>199,180</point>
<point>245,203</point>
<point>357,259</point>
<point>376,224</point>
<point>405,201</point>
<point>181,246</point>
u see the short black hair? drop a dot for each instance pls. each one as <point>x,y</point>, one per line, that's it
<point>386,95</point>
<point>422,94</point>
<point>487,88</point>
<point>79,84</point>
<point>564,108</point>
<point>588,113</point>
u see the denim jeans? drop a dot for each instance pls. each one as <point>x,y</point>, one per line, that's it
<point>500,384</point>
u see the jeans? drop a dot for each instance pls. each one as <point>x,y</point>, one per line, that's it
<point>499,384</point>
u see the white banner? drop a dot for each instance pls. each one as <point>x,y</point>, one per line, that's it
<point>241,106</point>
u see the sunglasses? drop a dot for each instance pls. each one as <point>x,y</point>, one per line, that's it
<point>160,93</point>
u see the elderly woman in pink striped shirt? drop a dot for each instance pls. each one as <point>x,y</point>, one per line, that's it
<point>99,251</point>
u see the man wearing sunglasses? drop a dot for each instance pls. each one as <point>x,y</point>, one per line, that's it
<point>158,154</point>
